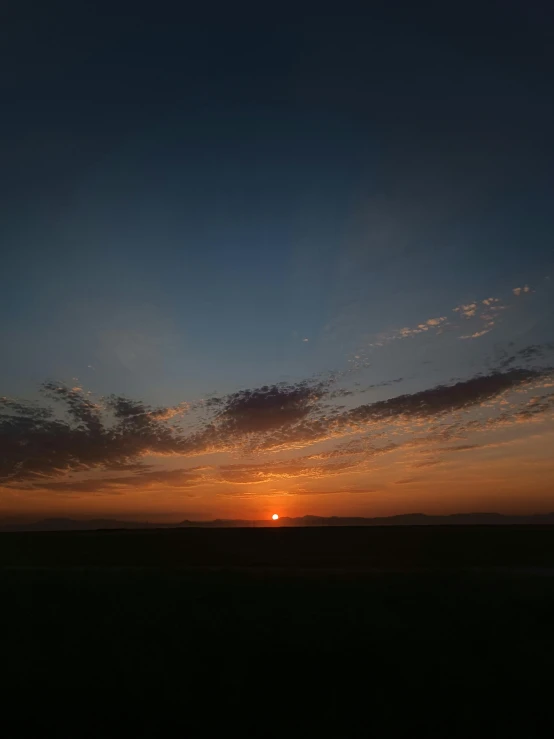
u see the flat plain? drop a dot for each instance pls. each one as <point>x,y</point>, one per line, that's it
<point>342,631</point>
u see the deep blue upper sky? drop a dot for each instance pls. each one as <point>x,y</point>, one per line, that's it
<point>186,197</point>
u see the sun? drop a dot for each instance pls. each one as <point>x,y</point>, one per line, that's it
<point>275,516</point>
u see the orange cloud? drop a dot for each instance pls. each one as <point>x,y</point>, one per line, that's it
<point>467,311</point>
<point>517,291</point>
<point>476,335</point>
<point>100,447</point>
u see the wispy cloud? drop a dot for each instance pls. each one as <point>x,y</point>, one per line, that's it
<point>466,311</point>
<point>486,317</point>
<point>142,479</point>
<point>477,334</point>
<point>532,352</point>
<point>517,291</point>
<point>430,324</point>
<point>481,316</point>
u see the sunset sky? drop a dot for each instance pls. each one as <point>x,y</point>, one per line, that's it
<point>300,264</point>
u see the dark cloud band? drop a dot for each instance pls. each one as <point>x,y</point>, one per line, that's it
<point>74,433</point>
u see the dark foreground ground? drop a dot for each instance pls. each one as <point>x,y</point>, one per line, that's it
<point>321,632</point>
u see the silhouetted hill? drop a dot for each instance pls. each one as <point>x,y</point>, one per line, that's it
<point>422,519</point>
<point>407,519</point>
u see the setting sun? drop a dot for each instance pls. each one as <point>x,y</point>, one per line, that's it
<point>275,516</point>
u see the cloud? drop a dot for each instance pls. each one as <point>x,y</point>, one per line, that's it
<point>255,473</point>
<point>42,445</point>
<point>436,321</point>
<point>338,491</point>
<point>476,335</point>
<point>431,323</point>
<point>426,463</point>
<point>488,318</point>
<point>269,407</point>
<point>530,352</point>
<point>179,478</point>
<point>393,415</point>
<point>485,314</point>
<point>113,434</point>
<point>445,398</point>
<point>466,311</point>
<point>385,383</point>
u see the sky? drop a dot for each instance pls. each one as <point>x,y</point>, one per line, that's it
<point>276,260</point>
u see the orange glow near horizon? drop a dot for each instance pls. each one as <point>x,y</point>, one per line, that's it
<point>493,456</point>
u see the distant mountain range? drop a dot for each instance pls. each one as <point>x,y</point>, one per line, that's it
<point>408,519</point>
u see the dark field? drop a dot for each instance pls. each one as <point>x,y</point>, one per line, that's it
<point>275,632</point>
